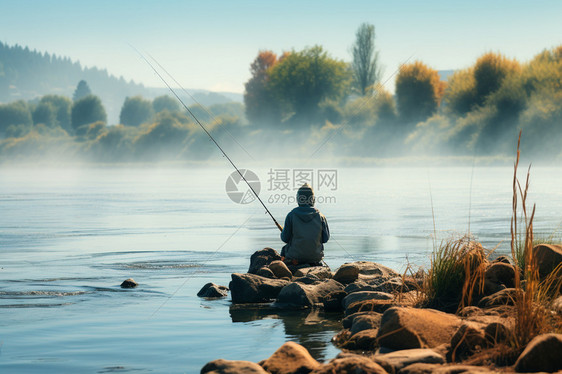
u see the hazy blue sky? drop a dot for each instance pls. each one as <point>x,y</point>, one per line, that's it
<point>210,44</point>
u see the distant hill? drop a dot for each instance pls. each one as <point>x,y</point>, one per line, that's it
<point>28,75</point>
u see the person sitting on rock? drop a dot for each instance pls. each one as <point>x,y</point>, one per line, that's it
<point>305,231</point>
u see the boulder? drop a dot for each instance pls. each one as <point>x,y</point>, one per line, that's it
<point>300,295</point>
<point>347,273</point>
<point>548,257</point>
<point>320,272</point>
<point>420,368</point>
<point>232,367</point>
<point>251,288</point>
<point>498,276</point>
<point>129,283</point>
<point>363,286</point>
<point>290,358</point>
<point>211,290</point>
<point>280,269</point>
<point>374,305</point>
<point>504,259</point>
<point>469,339</point>
<point>348,321</point>
<point>365,295</point>
<point>350,364</point>
<point>408,328</point>
<point>365,340</point>
<point>497,332</point>
<point>265,272</point>
<point>394,361</point>
<point>541,354</point>
<point>370,321</point>
<point>504,297</point>
<point>333,301</point>
<point>262,258</point>
<point>369,270</point>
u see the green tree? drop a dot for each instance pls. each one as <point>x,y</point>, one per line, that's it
<point>418,92</point>
<point>86,111</point>
<point>16,113</point>
<point>46,114</point>
<point>61,106</point>
<point>135,111</point>
<point>365,64</point>
<point>261,104</point>
<point>165,102</point>
<point>302,80</point>
<point>82,90</point>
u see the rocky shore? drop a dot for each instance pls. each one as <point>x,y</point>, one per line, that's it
<point>386,324</point>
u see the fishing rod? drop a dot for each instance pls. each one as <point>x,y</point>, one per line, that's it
<point>210,136</point>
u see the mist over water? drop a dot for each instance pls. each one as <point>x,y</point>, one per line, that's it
<point>69,237</point>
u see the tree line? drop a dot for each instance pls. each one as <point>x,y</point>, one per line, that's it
<point>307,102</point>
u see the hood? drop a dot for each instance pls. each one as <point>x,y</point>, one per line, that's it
<point>305,213</point>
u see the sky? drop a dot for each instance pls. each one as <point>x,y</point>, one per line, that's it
<point>211,44</point>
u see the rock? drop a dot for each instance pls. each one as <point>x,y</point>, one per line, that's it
<point>396,284</point>
<point>497,332</point>
<point>129,283</point>
<point>333,301</point>
<point>347,273</point>
<point>300,295</point>
<point>408,328</point>
<point>232,367</point>
<point>265,272</point>
<point>362,286</point>
<point>211,290</point>
<point>379,306</point>
<point>365,295</point>
<point>503,259</point>
<point>280,269</point>
<point>369,270</point>
<point>251,288</point>
<point>365,322</point>
<point>262,258</point>
<point>458,369</point>
<point>470,311</point>
<point>347,322</point>
<point>498,276</point>
<point>290,358</point>
<point>351,364</point>
<point>394,361</point>
<point>504,297</point>
<point>548,257</point>
<point>365,340</point>
<point>541,354</point>
<point>320,272</point>
<point>469,339</point>
<point>420,368</point>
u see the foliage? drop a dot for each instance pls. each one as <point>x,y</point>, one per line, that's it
<point>302,80</point>
<point>135,111</point>
<point>82,90</point>
<point>165,102</point>
<point>87,110</point>
<point>61,106</point>
<point>261,104</point>
<point>16,113</point>
<point>489,72</point>
<point>418,91</point>
<point>365,64</point>
<point>460,94</point>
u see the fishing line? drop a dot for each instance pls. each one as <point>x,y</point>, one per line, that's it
<point>210,136</point>
<point>196,102</point>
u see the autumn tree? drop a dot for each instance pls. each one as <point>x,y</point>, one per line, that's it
<point>489,72</point>
<point>302,80</point>
<point>259,99</point>
<point>365,64</point>
<point>418,91</point>
<point>135,111</point>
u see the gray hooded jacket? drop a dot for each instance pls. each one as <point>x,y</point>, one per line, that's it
<point>305,231</point>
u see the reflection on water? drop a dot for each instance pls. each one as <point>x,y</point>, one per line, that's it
<point>311,328</point>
